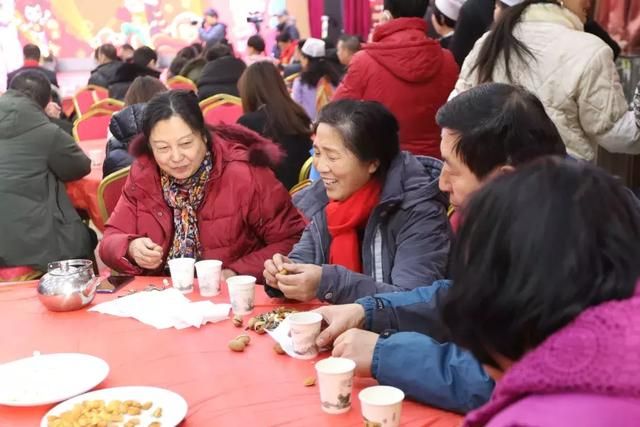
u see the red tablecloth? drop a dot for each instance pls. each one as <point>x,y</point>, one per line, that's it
<point>84,192</point>
<point>222,388</point>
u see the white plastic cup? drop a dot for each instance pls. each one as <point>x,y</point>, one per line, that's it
<point>209,277</point>
<point>97,157</point>
<point>182,274</point>
<point>242,290</point>
<point>381,404</point>
<point>335,380</point>
<point>305,328</point>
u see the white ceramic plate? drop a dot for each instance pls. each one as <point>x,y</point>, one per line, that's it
<point>49,378</point>
<point>174,407</point>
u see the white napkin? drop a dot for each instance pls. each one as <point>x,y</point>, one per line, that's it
<point>164,309</point>
<point>281,335</point>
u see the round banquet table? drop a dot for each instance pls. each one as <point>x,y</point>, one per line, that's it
<point>83,193</point>
<point>255,388</point>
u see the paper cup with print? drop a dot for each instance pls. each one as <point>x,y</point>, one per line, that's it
<point>335,380</point>
<point>305,328</point>
<point>381,406</point>
<point>182,274</point>
<point>242,291</point>
<point>209,277</point>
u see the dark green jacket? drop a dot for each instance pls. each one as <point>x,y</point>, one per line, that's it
<point>38,224</point>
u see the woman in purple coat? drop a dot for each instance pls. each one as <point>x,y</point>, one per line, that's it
<point>546,295</point>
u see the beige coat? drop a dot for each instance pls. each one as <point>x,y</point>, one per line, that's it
<point>574,76</point>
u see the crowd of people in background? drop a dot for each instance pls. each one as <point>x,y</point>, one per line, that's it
<point>467,248</point>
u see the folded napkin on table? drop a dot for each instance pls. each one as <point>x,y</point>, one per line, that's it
<point>165,309</point>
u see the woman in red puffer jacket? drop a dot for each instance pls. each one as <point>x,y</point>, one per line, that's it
<point>406,71</point>
<point>192,193</point>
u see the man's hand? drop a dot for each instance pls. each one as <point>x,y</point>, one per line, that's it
<point>339,318</point>
<point>357,345</point>
<point>300,282</point>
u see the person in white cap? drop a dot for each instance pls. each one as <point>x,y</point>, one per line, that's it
<point>502,5</point>
<point>444,18</point>
<point>318,80</point>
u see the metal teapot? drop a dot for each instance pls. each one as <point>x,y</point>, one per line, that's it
<point>68,285</point>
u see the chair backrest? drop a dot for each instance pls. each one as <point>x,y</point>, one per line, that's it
<point>109,191</point>
<point>86,97</point>
<point>221,108</point>
<point>215,99</point>
<point>180,82</point>
<point>110,104</point>
<point>288,81</point>
<point>18,274</point>
<point>305,170</point>
<point>93,125</point>
<point>300,186</point>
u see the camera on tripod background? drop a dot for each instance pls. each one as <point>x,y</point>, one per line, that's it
<point>255,18</point>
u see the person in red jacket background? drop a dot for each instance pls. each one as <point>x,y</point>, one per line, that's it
<point>193,193</point>
<point>406,71</point>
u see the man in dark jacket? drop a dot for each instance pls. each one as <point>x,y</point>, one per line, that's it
<point>31,54</point>
<point>143,64</point>
<point>108,65</point>
<point>221,72</point>
<point>38,224</point>
<point>422,362</point>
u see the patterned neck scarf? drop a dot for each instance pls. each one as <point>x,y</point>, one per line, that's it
<point>185,196</point>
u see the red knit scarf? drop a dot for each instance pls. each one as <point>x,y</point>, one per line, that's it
<point>344,218</point>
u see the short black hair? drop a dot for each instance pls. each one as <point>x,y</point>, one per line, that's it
<point>351,43</point>
<point>443,19</point>
<point>107,50</point>
<point>407,8</point>
<point>499,124</point>
<point>284,37</point>
<point>256,42</point>
<point>31,51</point>
<point>177,65</point>
<point>126,46</point>
<point>187,53</point>
<point>33,84</point>
<point>143,55</point>
<point>197,47</point>
<point>181,103</point>
<point>369,130</point>
<point>537,248</point>
<point>218,50</point>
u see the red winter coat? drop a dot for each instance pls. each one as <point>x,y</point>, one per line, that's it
<point>246,216</point>
<point>410,74</point>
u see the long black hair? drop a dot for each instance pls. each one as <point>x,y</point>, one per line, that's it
<point>501,41</point>
<point>317,69</point>
<point>538,247</point>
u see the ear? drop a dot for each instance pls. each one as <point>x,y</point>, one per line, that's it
<point>373,166</point>
<point>505,169</point>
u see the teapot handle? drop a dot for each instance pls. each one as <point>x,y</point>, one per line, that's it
<point>91,287</point>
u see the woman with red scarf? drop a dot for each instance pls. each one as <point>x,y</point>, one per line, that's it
<point>376,212</point>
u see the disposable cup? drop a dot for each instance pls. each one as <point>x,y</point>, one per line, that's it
<point>335,381</point>
<point>209,277</point>
<point>305,328</point>
<point>381,405</point>
<point>181,270</point>
<point>242,293</point>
